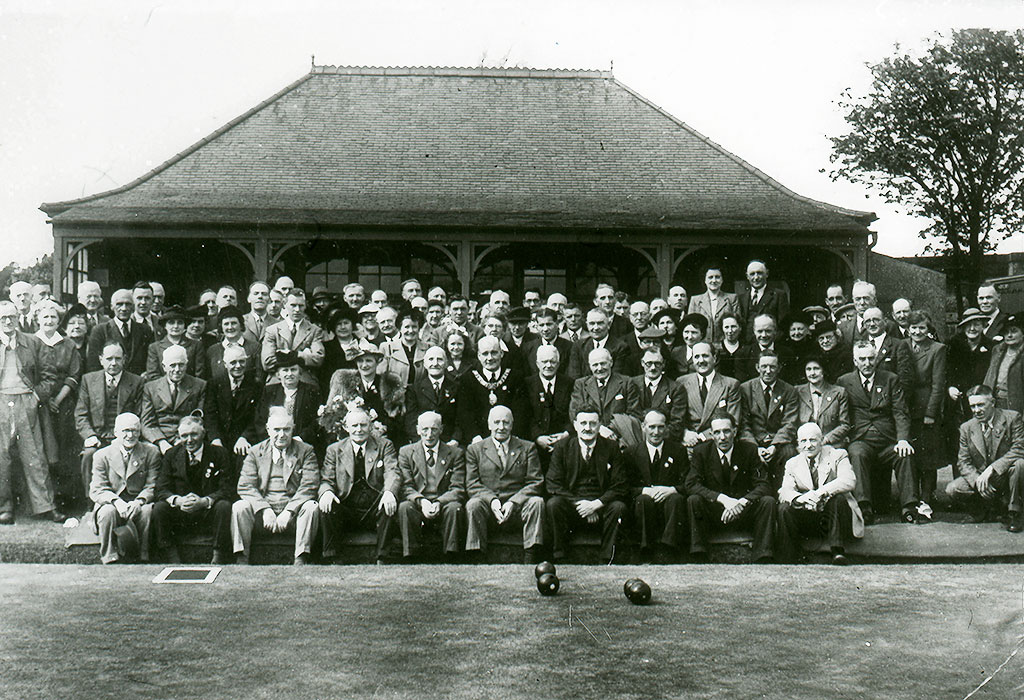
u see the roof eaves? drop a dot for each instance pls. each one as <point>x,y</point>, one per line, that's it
<point>465,72</point>
<point>54,208</point>
<point>865,217</point>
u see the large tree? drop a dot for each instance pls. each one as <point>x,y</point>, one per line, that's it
<point>941,132</point>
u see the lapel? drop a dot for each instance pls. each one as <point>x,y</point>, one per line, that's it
<point>441,467</point>
<point>371,449</point>
<point>513,455</point>
<point>290,460</point>
<point>133,463</point>
<point>646,468</point>
<point>715,391</point>
<point>263,464</point>
<point>181,462</point>
<point>492,454</point>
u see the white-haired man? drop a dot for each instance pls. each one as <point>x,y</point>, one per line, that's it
<point>91,297</point>
<point>167,399</point>
<point>491,385</point>
<point>20,295</point>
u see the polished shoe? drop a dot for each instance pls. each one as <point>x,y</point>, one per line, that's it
<point>301,560</point>
<point>868,512</point>
<point>54,516</point>
<point>1016,522</point>
<point>909,517</point>
<point>241,558</point>
<point>219,558</point>
<point>839,559</point>
<point>6,518</point>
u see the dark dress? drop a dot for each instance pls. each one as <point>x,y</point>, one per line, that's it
<point>61,442</point>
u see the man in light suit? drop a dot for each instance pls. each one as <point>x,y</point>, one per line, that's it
<point>277,491</point>
<point>612,394</point>
<point>258,319</point>
<point>714,304</point>
<point>123,487</point>
<point>102,397</point>
<point>167,399</point>
<point>433,488</point>
<point>657,392</point>
<point>587,485</point>
<point>759,298</point>
<point>359,486</point>
<point>707,391</point>
<point>769,416</point>
<point>294,333</point>
<point>133,336</point>
<point>991,458</point>
<point>817,497</point>
<point>825,404</point>
<point>504,484</point>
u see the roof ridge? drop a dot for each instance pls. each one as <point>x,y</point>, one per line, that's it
<point>465,71</point>
<point>867,216</point>
<point>51,208</point>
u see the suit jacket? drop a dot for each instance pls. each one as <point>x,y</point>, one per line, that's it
<point>517,480</point>
<point>379,459</point>
<point>995,327</point>
<point>1014,379</point>
<point>619,396</point>
<point>564,347</point>
<point>849,333</point>
<point>214,478</point>
<point>136,345</point>
<point>228,417</point>
<point>420,397</point>
<point>215,357</point>
<point>197,366</point>
<point>928,392</point>
<point>307,339</point>
<point>768,425</point>
<point>35,365</point>
<point>395,360</point>
<point>113,478</point>
<point>724,393</point>
<point>307,403</point>
<point>1004,446</point>
<point>258,327</point>
<point>547,416</point>
<point>448,483</point>
<point>670,471</point>
<point>773,302</point>
<point>833,417</point>
<point>669,398</point>
<point>708,478</point>
<point>301,475</point>
<point>885,410</point>
<point>894,356</point>
<point>748,355</point>
<point>159,416</point>
<point>563,475</point>
<point>835,478</point>
<point>473,403</point>
<point>92,395</point>
<point>579,364</point>
<point>727,304</point>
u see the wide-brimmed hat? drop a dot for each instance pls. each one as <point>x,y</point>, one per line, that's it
<point>174,313</point>
<point>971,314</point>
<point>231,312</point>
<point>695,320</point>
<point>287,359</point>
<point>670,312</point>
<point>368,348</point>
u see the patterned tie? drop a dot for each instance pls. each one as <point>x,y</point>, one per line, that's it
<point>814,472</point>
<point>587,453</point>
<point>430,458</point>
<point>174,394</point>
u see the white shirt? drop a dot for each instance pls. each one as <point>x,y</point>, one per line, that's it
<point>651,449</point>
<point>113,379</point>
<point>727,456</point>
<point>196,456</point>
<point>548,384</point>
<point>878,340</point>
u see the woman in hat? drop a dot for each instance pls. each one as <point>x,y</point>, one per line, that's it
<point>693,329</point>
<point>796,330</point>
<point>195,322</point>
<point>56,410</point>
<point>1006,368</point>
<point>835,358</point>
<point>340,352</point>
<point>174,320</point>
<point>667,319</point>
<point>967,360</point>
<point>926,403</point>
<point>301,400</point>
<point>75,327</point>
<point>381,394</point>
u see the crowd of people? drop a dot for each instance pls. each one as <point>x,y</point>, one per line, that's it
<point>655,422</point>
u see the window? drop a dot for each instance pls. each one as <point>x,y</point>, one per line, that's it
<point>332,274</point>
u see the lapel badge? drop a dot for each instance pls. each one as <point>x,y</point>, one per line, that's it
<point>668,460</point>
<point>668,399</point>
<point>721,404</point>
<point>542,400</point>
<point>619,397</point>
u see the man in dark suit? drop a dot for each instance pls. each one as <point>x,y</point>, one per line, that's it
<point>91,297</point>
<point>547,335</point>
<point>432,390</point>
<point>604,299</point>
<point>433,489</point>
<point>852,328</point>
<point>765,337</point>
<point>991,458</point>
<point>504,484</point>
<point>728,485</point>
<point>879,436</point>
<point>769,417</point>
<point>20,294</point>
<point>490,384</point>
<point>299,399</point>
<point>134,337</point>
<point>988,304</point>
<point>587,485</point>
<point>194,489</point>
<point>123,487</point>
<point>167,399</point>
<point>27,378</point>
<point>657,473</point>
<point>549,393</point>
<point>598,327</point>
<point>893,352</point>
<point>612,394</point>
<point>359,486</point>
<point>277,491</point>
<point>759,298</point>
<point>707,391</point>
<point>518,338</point>
<point>657,392</point>
<point>102,397</point>
<point>231,406</point>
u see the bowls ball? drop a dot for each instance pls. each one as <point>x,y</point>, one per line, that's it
<point>545,567</point>
<point>638,592</point>
<point>548,584</point>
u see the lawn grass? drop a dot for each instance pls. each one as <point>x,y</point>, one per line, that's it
<point>483,631</point>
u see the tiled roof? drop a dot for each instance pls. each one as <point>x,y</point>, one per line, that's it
<point>460,147</point>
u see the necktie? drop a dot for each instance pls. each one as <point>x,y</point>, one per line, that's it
<point>650,388</point>
<point>587,451</point>
<point>573,336</point>
<point>430,458</point>
<point>503,454</point>
<point>814,471</point>
<point>437,388</point>
<point>550,389</point>
<point>725,463</point>
<point>657,457</point>
<point>289,403</point>
<point>703,389</point>
<point>768,397</point>
<point>359,462</point>
<point>867,387</point>
<point>174,394</point>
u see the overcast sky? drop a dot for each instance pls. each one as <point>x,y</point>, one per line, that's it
<point>97,93</point>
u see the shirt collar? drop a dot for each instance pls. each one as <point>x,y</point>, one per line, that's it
<point>228,343</point>
<point>114,379</point>
<point>197,455</point>
<point>10,341</point>
<point>52,341</point>
<point>651,449</point>
<point>726,455</point>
